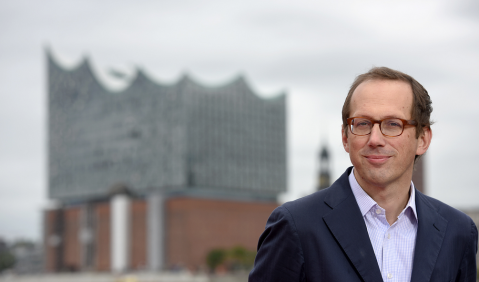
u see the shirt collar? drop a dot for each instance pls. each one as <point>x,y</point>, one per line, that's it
<point>365,202</point>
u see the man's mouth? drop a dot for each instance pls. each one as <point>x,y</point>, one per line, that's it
<point>377,159</point>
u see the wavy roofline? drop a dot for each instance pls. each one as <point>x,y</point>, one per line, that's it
<point>139,73</point>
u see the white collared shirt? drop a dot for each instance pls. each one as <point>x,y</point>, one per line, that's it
<point>393,244</point>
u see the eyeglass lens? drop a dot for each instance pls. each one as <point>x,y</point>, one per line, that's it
<point>390,127</point>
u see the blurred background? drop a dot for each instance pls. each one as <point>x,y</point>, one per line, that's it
<point>305,52</point>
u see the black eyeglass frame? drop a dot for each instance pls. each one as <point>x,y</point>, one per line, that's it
<point>373,121</point>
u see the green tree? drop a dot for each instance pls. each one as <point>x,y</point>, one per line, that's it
<point>6,260</point>
<point>215,257</point>
<point>241,258</point>
<point>236,258</point>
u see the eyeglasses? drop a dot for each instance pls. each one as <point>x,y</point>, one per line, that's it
<point>390,127</point>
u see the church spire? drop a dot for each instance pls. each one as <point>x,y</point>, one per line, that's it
<point>324,176</point>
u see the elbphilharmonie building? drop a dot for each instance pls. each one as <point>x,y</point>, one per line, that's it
<point>155,174</point>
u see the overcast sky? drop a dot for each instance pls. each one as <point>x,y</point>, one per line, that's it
<point>311,49</point>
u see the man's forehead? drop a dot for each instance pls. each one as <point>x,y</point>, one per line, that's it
<point>379,81</point>
<point>382,87</point>
<point>375,94</point>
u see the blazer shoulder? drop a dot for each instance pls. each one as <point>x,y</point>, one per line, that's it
<point>307,201</point>
<point>314,202</point>
<point>280,255</point>
<point>322,201</point>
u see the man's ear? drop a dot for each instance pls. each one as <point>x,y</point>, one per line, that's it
<point>345,138</point>
<point>424,141</point>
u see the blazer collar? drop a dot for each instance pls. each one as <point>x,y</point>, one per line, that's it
<point>430,234</point>
<point>347,226</point>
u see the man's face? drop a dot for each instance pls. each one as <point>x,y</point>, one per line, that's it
<point>379,160</point>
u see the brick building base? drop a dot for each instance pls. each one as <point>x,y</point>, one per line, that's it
<point>196,226</point>
<point>193,227</point>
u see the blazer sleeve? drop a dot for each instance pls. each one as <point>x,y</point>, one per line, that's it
<point>280,256</point>
<point>468,270</point>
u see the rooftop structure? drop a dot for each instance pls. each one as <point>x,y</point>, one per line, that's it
<point>182,138</point>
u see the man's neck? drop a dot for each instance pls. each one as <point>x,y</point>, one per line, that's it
<point>393,198</point>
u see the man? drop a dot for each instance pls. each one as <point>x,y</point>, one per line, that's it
<point>372,224</point>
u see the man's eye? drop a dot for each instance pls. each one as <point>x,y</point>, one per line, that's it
<point>394,123</point>
<point>362,123</point>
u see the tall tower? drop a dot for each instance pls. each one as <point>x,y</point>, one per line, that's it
<point>324,177</point>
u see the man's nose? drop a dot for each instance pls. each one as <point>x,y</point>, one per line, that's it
<point>376,138</point>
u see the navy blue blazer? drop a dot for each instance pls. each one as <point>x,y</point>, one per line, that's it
<point>323,237</point>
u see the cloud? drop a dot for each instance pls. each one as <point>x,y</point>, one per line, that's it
<point>314,49</point>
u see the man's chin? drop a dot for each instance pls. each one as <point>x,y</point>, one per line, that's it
<point>377,177</point>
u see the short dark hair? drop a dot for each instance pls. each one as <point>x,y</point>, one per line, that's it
<point>421,104</point>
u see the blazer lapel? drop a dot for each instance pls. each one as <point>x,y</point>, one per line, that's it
<point>430,234</point>
<point>347,225</point>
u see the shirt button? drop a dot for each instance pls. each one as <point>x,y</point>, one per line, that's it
<point>390,276</point>
<point>378,211</point>
<point>389,236</point>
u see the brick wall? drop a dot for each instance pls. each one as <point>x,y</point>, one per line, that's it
<point>62,244</point>
<point>72,246</point>
<point>102,236</point>
<point>195,226</point>
<point>50,249</point>
<point>138,234</point>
